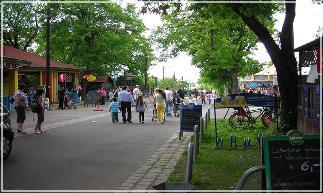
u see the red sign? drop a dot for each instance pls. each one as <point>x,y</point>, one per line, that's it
<point>61,78</point>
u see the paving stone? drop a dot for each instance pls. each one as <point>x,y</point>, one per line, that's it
<point>147,180</point>
<point>155,170</point>
<point>131,181</point>
<point>134,178</point>
<point>137,175</point>
<point>141,171</point>
<point>146,183</point>
<point>151,175</point>
<point>144,167</point>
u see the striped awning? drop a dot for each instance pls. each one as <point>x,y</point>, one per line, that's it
<point>307,58</point>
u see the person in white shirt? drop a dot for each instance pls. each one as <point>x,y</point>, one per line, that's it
<point>169,101</point>
<point>136,93</point>
<point>125,100</point>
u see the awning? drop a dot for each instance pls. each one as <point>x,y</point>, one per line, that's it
<point>310,46</point>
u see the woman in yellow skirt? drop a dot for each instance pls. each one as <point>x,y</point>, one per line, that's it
<point>160,98</point>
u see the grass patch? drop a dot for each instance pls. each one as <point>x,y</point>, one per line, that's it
<point>221,168</point>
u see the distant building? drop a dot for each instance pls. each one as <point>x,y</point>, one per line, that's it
<point>265,78</point>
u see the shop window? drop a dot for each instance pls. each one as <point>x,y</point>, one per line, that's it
<point>260,77</point>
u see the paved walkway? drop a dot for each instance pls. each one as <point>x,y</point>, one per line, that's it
<point>159,166</point>
<point>154,171</point>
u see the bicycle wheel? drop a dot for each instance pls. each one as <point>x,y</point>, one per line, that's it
<point>267,119</point>
<point>239,121</point>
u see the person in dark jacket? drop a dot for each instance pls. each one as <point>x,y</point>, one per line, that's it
<point>40,110</point>
<point>61,94</point>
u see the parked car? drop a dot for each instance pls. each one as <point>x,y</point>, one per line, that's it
<point>8,132</point>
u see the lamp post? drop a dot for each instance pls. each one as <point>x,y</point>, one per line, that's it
<point>146,76</point>
<point>163,76</point>
<point>48,52</point>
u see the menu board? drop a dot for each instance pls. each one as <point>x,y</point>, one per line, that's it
<point>292,166</point>
<point>190,116</point>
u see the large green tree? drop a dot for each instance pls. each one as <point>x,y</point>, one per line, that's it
<point>217,39</point>
<point>172,83</point>
<point>97,37</point>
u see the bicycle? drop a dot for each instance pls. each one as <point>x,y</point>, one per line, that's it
<point>242,117</point>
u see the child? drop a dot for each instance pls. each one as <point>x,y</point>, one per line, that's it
<point>46,104</point>
<point>176,102</point>
<point>140,107</point>
<point>114,109</point>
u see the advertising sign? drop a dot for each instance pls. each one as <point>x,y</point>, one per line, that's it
<point>90,78</point>
<point>245,99</point>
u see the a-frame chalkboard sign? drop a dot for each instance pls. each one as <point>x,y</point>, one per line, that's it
<point>292,162</point>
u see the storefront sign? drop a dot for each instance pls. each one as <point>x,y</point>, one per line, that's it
<point>90,78</point>
<point>292,162</point>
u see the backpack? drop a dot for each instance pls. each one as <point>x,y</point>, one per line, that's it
<point>34,106</point>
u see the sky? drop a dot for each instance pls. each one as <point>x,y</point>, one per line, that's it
<point>309,18</point>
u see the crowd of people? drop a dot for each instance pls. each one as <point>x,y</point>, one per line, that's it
<point>165,103</point>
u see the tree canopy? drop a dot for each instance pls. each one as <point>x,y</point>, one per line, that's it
<point>219,42</point>
<point>98,37</point>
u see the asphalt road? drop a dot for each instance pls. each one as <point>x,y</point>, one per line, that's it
<point>79,152</point>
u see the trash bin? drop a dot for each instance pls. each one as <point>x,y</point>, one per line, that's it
<point>173,186</point>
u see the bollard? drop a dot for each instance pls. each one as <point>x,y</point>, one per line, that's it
<point>209,114</point>
<point>201,126</point>
<point>219,142</point>
<point>204,124</point>
<point>233,141</point>
<point>245,143</point>
<point>201,129</point>
<point>196,142</point>
<point>248,143</point>
<point>189,163</point>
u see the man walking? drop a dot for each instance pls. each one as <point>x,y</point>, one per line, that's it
<point>169,101</point>
<point>125,100</point>
<point>136,93</point>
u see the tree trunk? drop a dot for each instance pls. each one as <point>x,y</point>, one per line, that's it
<point>284,60</point>
<point>288,92</point>
<point>234,83</point>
